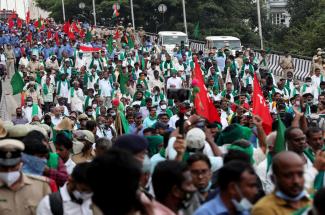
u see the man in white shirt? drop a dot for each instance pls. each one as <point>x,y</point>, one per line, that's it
<point>80,61</point>
<point>105,89</point>
<point>317,78</point>
<point>31,109</point>
<point>76,97</point>
<point>24,60</point>
<point>73,198</point>
<point>62,88</point>
<point>174,81</point>
<point>57,116</point>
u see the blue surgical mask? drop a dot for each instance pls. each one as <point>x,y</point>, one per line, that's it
<point>207,188</point>
<point>244,204</point>
<point>284,196</point>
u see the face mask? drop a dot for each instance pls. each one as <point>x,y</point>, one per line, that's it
<point>282,195</point>
<point>155,93</point>
<point>102,126</point>
<point>308,84</point>
<point>207,188</point>
<point>82,195</point>
<point>89,113</point>
<point>163,107</point>
<point>244,204</point>
<point>94,105</point>
<point>9,178</point>
<point>29,103</point>
<point>113,113</point>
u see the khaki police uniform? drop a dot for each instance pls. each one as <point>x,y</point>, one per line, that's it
<point>23,196</point>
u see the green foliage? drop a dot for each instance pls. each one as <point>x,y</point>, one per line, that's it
<point>216,17</point>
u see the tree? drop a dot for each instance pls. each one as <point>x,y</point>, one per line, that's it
<point>216,17</point>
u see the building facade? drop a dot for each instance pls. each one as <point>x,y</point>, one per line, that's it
<point>277,12</point>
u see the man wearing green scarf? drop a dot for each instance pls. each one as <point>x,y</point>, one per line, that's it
<point>31,109</point>
<point>47,94</point>
<point>62,88</point>
<point>151,119</point>
<point>76,97</point>
<point>315,144</point>
<point>96,61</point>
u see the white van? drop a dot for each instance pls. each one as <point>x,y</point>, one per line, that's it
<point>233,43</point>
<point>170,39</point>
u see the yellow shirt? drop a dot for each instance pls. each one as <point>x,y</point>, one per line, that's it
<point>273,205</point>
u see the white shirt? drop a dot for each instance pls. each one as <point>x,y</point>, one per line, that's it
<point>105,87</point>
<point>69,207</point>
<point>65,109</point>
<point>80,62</point>
<point>23,61</point>
<point>316,80</point>
<point>64,91</point>
<point>177,82</point>
<point>69,165</point>
<point>28,113</point>
<point>55,121</point>
<point>309,174</point>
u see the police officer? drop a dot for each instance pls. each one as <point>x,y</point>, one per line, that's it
<point>19,193</point>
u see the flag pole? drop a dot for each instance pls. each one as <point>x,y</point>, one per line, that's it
<point>259,23</point>
<point>132,14</point>
<point>63,11</point>
<point>94,12</point>
<point>184,15</point>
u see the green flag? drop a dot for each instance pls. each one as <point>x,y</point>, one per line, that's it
<point>130,43</point>
<point>196,32</point>
<point>110,44</point>
<point>88,36</point>
<point>280,144</point>
<point>39,23</point>
<point>17,83</point>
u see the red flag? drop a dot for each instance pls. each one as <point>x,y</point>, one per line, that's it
<point>116,36</point>
<point>260,108</point>
<point>56,37</point>
<point>89,49</point>
<point>27,17</point>
<point>19,23</point>
<point>11,23</point>
<point>82,33</point>
<point>203,104</point>
<point>29,37</point>
<point>66,27</point>
<point>49,34</point>
<point>75,27</point>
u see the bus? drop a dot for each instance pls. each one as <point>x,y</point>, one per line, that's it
<point>170,39</point>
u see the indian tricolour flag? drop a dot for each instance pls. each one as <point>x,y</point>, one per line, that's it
<point>115,13</point>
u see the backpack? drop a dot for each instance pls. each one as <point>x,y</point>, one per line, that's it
<point>56,203</point>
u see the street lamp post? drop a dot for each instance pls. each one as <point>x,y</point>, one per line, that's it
<point>82,6</point>
<point>94,12</point>
<point>184,15</point>
<point>63,10</point>
<point>162,8</point>
<point>132,14</point>
<point>259,23</point>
